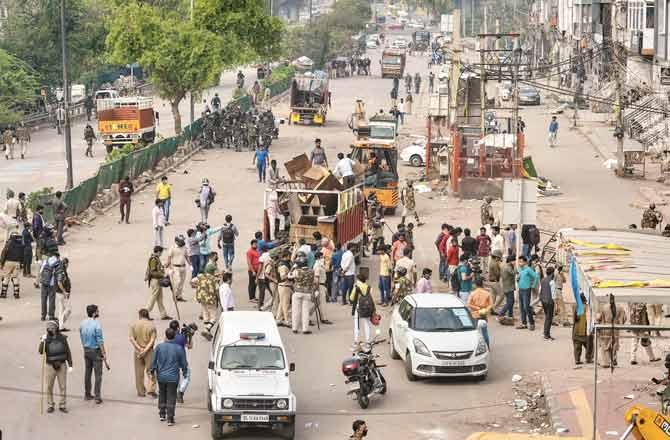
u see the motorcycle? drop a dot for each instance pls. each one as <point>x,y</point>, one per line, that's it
<point>364,375</point>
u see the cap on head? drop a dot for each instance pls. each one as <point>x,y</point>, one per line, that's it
<point>488,199</point>
<point>52,325</point>
<point>205,181</point>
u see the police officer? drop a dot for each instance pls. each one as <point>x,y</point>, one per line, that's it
<point>284,289</point>
<point>651,218</point>
<point>55,352</point>
<point>89,135</point>
<point>10,264</point>
<point>23,135</point>
<point>638,316</point>
<point>304,283</point>
<point>206,288</point>
<point>409,203</point>
<point>176,263</point>
<point>403,286</point>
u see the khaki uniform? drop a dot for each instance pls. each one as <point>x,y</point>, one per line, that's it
<point>304,281</point>
<point>608,340</point>
<point>8,140</point>
<point>486,214</point>
<point>497,295</point>
<point>403,286</point>
<point>581,339</point>
<point>638,316</point>
<point>23,133</point>
<point>561,313</point>
<point>144,333</point>
<point>206,288</point>
<point>650,218</point>
<point>284,290</point>
<point>409,202</point>
<point>155,271</point>
<point>177,261</point>
<point>320,272</point>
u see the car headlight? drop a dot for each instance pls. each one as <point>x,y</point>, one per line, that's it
<point>227,403</point>
<point>282,403</point>
<point>481,347</point>
<point>421,348</point>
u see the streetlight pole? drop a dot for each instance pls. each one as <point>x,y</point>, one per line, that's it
<point>69,183</point>
<point>192,103</point>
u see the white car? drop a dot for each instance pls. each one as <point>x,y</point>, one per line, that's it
<point>436,336</point>
<point>371,44</point>
<point>414,154</point>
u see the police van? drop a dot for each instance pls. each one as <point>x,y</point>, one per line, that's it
<point>248,376</point>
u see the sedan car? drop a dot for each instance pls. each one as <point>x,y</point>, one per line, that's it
<point>435,335</point>
<point>371,44</point>
<point>529,96</point>
<point>399,43</point>
<point>414,154</point>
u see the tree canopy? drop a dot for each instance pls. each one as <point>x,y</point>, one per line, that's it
<point>17,87</point>
<point>32,34</point>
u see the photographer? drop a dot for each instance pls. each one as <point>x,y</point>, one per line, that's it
<point>466,276</point>
<point>184,338</point>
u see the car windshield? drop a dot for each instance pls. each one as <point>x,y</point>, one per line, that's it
<point>252,357</point>
<point>527,91</point>
<point>442,319</point>
<point>382,132</point>
<point>392,59</point>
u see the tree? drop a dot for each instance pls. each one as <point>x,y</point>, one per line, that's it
<point>249,32</point>
<point>17,87</point>
<point>437,7</point>
<point>179,57</point>
<point>32,34</point>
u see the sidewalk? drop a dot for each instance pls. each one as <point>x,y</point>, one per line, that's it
<point>569,395</point>
<point>45,164</point>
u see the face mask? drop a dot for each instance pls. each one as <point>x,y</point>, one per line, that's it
<point>365,432</point>
<point>51,332</point>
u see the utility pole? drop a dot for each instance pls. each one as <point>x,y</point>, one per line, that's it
<point>575,85</point>
<point>69,183</point>
<point>482,81</point>
<point>455,74</point>
<point>620,10</point>
<point>192,103</point>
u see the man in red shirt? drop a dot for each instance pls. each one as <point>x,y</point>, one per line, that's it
<point>453,255</point>
<point>484,248</point>
<point>398,248</point>
<point>252,268</point>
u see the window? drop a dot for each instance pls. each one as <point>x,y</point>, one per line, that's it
<point>443,319</point>
<point>405,310</point>
<point>252,357</point>
<point>649,14</point>
<point>661,16</point>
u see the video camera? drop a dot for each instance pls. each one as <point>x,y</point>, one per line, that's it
<point>188,330</point>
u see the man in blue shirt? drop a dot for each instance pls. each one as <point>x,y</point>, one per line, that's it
<point>466,275</point>
<point>526,279</point>
<point>169,359</point>
<point>92,341</point>
<point>263,245</point>
<point>553,131</point>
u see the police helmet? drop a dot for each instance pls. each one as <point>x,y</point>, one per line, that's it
<point>301,259</point>
<point>401,271</point>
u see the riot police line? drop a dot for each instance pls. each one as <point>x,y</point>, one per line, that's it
<point>233,128</point>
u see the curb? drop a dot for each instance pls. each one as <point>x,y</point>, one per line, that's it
<point>553,407</point>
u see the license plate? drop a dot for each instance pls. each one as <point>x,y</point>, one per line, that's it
<point>262,418</point>
<point>454,363</point>
<point>354,386</point>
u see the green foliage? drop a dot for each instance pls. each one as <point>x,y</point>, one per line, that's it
<point>17,87</point>
<point>179,56</point>
<point>35,197</point>
<point>437,7</point>
<point>32,34</point>
<point>118,153</point>
<point>245,26</point>
<point>330,35</point>
<point>279,74</point>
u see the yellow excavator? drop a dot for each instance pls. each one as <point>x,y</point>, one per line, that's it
<point>646,424</point>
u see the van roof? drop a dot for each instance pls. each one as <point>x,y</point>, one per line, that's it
<point>233,324</point>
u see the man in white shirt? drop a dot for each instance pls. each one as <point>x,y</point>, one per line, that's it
<point>406,262</point>
<point>226,297</point>
<point>497,240</point>
<point>176,264</point>
<point>348,265</point>
<point>205,198</point>
<point>345,170</point>
<point>401,111</point>
<point>158,223</point>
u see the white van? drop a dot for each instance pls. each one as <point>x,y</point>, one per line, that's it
<point>248,376</point>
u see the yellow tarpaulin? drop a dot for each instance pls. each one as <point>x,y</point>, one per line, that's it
<point>600,253</point>
<point>588,244</point>
<point>605,284</point>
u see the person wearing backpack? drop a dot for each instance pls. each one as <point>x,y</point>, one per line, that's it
<point>363,307</point>
<point>55,352</point>
<point>49,274</point>
<point>226,242</point>
<point>206,197</point>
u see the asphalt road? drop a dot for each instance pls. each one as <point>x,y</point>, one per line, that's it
<point>108,262</point>
<point>45,164</point>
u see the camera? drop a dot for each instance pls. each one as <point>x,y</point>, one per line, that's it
<point>188,330</point>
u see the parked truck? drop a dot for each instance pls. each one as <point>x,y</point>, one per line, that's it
<point>310,94</point>
<point>393,63</point>
<point>128,120</point>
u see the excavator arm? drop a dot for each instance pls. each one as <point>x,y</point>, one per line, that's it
<point>646,424</point>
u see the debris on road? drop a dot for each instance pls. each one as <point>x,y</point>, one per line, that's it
<point>516,378</point>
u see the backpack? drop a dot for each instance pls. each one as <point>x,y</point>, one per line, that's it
<point>534,235</point>
<point>365,302</point>
<point>228,234</point>
<point>455,280</point>
<point>47,273</point>
<point>211,196</point>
